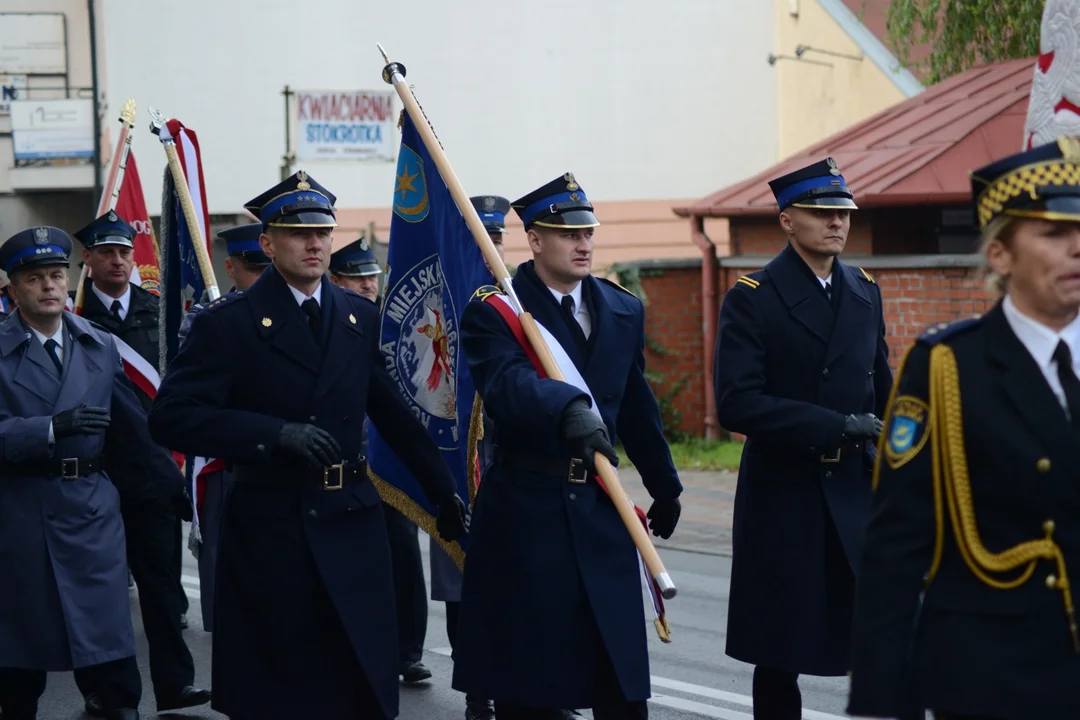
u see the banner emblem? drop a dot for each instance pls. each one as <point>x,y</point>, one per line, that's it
<point>410,187</point>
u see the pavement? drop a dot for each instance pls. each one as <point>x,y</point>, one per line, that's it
<point>692,678</point>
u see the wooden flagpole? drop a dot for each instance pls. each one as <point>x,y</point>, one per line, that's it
<point>157,126</point>
<point>394,74</point>
<point>114,180</point>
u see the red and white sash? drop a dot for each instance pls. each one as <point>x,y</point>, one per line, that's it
<point>573,377</point>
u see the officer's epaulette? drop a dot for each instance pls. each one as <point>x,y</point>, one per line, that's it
<point>484,292</point>
<point>943,331</point>
<point>866,276</point>
<point>616,285</point>
<point>225,299</point>
<point>750,282</point>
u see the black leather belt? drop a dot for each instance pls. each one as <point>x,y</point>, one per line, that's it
<point>65,468</point>
<point>573,469</point>
<point>334,477</point>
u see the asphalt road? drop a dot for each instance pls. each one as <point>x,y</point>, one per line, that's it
<point>692,678</point>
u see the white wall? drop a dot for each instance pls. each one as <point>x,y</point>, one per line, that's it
<point>640,99</point>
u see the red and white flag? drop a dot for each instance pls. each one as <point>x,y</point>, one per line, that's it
<point>131,206</point>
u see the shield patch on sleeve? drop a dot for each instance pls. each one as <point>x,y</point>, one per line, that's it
<point>907,431</point>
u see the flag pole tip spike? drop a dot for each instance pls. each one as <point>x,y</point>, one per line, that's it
<point>385,57</point>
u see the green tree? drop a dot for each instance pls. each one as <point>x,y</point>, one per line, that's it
<point>963,33</point>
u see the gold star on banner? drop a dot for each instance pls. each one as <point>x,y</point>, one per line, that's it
<point>405,182</point>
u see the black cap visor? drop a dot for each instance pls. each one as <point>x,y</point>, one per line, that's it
<point>307,218</point>
<point>569,219</point>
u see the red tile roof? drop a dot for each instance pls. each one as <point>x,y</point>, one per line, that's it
<point>919,151</point>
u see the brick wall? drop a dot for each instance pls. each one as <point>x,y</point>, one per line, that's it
<point>673,321</point>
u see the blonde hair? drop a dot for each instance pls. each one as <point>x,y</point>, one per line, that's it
<point>1001,229</point>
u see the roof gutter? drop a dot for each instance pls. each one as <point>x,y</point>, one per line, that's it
<point>709,312</point>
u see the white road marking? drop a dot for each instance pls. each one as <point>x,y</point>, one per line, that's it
<point>711,711</point>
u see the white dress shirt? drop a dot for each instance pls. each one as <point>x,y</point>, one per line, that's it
<point>301,297</point>
<point>107,300</point>
<point>824,281</point>
<point>1041,342</point>
<point>581,312</point>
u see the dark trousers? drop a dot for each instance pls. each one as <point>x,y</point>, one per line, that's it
<point>776,695</point>
<point>178,562</point>
<point>453,611</point>
<point>608,703</point>
<point>117,682</point>
<point>410,590</point>
<point>151,541</point>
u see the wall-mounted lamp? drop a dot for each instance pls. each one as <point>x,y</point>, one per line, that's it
<point>801,49</point>
<point>772,59</point>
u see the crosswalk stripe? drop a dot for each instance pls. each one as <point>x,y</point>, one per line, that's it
<point>711,711</point>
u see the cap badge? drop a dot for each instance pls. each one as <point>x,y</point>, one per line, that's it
<point>571,183</point>
<point>1070,149</point>
<point>832,166</point>
<point>41,236</point>
<point>489,204</point>
<point>574,197</point>
<point>112,216</point>
<point>352,318</point>
<point>364,246</point>
<point>267,322</point>
<point>303,184</point>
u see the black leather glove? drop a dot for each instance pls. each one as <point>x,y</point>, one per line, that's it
<point>80,421</point>
<point>450,522</point>
<point>313,444</point>
<point>664,516</point>
<point>585,433</point>
<point>857,427</point>
<point>182,506</point>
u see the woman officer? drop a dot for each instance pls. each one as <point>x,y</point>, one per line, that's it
<point>964,604</point>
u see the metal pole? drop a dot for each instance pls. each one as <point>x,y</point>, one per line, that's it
<point>286,159</point>
<point>97,112</point>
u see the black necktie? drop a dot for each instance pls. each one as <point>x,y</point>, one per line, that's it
<point>828,291</point>
<point>1069,382</point>
<point>116,308</point>
<point>50,347</point>
<point>314,313</point>
<point>575,328</point>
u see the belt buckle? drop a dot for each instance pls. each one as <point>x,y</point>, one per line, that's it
<point>578,474</point>
<point>326,475</point>
<point>836,459</point>
<point>69,468</point>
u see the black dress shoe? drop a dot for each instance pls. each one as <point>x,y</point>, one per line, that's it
<point>188,697</point>
<point>93,706</point>
<point>414,672</point>
<point>479,710</point>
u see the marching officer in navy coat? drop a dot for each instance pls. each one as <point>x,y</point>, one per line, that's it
<point>65,404</point>
<point>355,267</point>
<point>277,381</point>
<point>966,599</point>
<point>551,604</point>
<point>154,528</point>
<point>801,369</point>
<point>245,263</point>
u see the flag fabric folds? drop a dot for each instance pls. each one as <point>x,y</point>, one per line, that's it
<point>434,267</point>
<point>182,280</point>
<point>131,205</point>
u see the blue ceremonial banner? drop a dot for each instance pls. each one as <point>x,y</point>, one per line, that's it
<point>182,281</point>
<point>434,268</point>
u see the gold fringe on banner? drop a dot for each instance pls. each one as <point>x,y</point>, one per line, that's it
<point>421,517</point>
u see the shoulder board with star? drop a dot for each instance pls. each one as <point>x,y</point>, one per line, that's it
<point>944,331</point>
<point>224,300</point>
<point>484,292</point>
